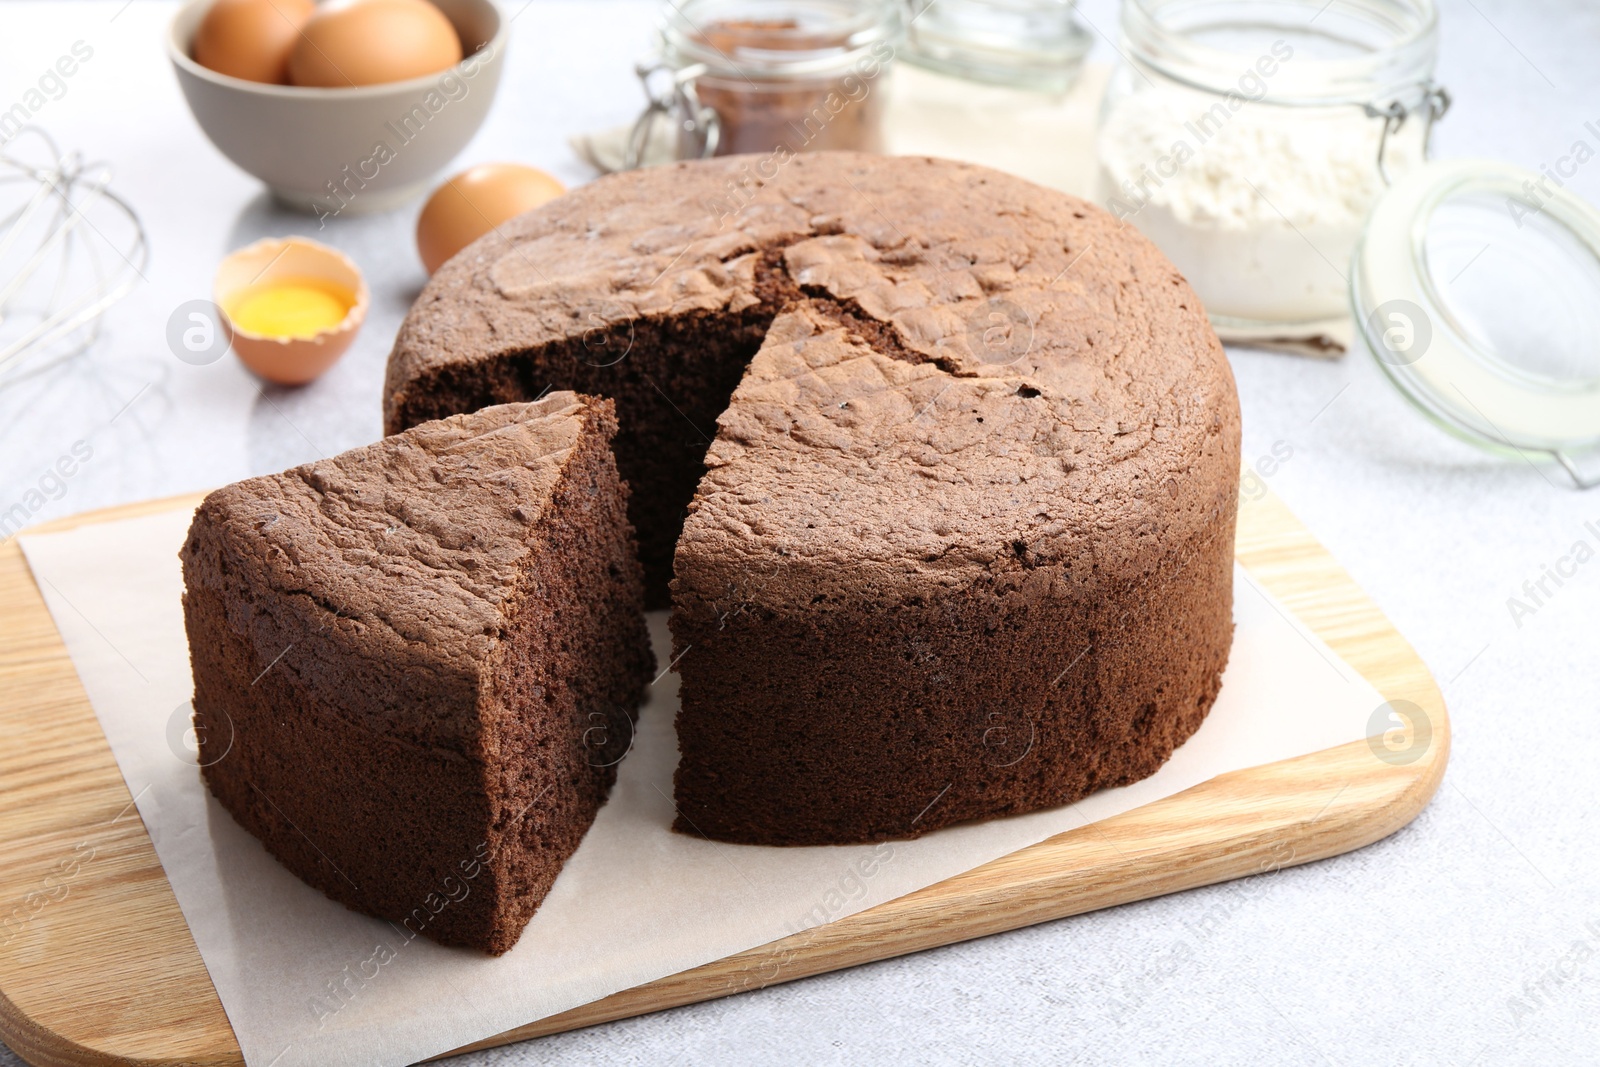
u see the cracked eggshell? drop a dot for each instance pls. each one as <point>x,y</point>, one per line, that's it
<point>288,360</point>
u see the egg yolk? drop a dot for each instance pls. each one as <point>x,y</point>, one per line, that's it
<point>292,309</point>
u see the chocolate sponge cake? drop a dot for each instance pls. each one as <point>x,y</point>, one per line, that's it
<point>963,542</point>
<point>908,597</point>
<point>416,664</point>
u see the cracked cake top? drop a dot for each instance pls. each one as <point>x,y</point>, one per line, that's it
<point>983,273</point>
<point>969,370</point>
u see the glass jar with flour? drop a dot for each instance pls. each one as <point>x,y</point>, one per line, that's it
<point>1250,138</point>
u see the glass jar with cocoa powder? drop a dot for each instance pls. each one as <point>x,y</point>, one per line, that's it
<point>779,75</point>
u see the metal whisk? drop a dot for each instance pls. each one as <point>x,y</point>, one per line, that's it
<point>69,249</point>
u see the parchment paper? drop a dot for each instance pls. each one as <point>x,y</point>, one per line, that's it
<point>306,981</point>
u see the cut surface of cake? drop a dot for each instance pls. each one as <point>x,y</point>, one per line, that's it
<point>417,663</point>
<point>963,543</point>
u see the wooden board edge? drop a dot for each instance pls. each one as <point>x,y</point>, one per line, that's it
<point>40,1046</point>
<point>118,842</point>
<point>1340,825</point>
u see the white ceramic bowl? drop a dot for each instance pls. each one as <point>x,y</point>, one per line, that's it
<point>347,151</point>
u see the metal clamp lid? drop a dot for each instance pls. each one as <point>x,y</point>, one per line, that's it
<point>1434,104</point>
<point>697,127</point>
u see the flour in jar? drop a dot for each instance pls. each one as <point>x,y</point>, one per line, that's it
<point>1260,206</point>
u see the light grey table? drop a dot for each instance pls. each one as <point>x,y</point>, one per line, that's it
<point>1470,937</point>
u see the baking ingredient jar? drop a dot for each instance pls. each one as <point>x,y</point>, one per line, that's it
<point>1249,140</point>
<point>996,82</point>
<point>770,76</point>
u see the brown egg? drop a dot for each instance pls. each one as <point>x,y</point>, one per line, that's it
<point>474,202</point>
<point>251,39</point>
<point>370,42</point>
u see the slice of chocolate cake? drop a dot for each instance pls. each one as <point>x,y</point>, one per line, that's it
<point>416,664</point>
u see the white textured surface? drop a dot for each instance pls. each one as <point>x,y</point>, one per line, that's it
<point>1409,952</point>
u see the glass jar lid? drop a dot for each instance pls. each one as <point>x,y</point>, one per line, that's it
<point>1035,44</point>
<point>1476,287</point>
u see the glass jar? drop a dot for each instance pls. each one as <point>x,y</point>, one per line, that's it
<point>775,75</point>
<point>1476,287</point>
<point>1035,45</point>
<point>997,82</point>
<point>1250,138</point>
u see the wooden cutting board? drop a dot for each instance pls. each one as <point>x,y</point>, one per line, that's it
<point>97,966</point>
